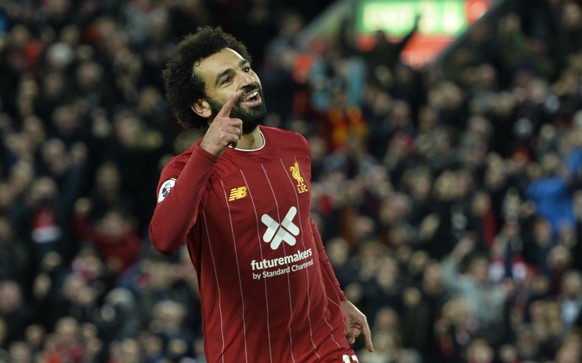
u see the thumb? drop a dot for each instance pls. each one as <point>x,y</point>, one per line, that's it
<point>350,335</point>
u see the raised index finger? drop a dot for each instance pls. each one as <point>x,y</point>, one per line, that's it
<point>228,105</point>
<point>368,337</point>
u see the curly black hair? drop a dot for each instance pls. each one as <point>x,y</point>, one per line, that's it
<point>183,85</point>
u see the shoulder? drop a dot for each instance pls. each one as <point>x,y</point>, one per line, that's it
<point>176,163</point>
<point>278,132</point>
<point>281,136</point>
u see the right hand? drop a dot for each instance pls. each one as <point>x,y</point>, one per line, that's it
<point>465,246</point>
<point>223,130</point>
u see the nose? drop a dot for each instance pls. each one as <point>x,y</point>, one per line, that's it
<point>247,78</point>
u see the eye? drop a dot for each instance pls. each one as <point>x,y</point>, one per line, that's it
<point>226,80</point>
<point>246,69</point>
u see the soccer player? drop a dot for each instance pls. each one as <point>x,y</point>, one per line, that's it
<point>239,199</point>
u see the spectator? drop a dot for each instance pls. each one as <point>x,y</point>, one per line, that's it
<point>106,193</point>
<point>484,299</point>
<point>20,352</point>
<point>169,325</point>
<point>569,31</point>
<point>423,306</point>
<point>118,319</point>
<point>15,312</point>
<point>136,148</point>
<point>15,255</point>
<point>41,219</point>
<point>455,329</point>
<point>65,343</point>
<point>570,297</point>
<point>114,235</point>
<point>551,194</point>
<point>480,351</point>
<point>515,51</point>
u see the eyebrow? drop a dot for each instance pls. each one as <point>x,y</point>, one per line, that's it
<point>227,71</point>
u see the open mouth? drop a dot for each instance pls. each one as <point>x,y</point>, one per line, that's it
<point>252,98</point>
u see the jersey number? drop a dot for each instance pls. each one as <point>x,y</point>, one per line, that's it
<point>347,359</point>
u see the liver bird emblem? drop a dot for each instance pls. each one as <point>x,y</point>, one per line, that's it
<point>296,174</point>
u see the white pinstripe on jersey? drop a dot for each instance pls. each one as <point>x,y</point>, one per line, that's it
<point>324,318</point>
<point>237,270</point>
<point>284,252</point>
<point>304,247</point>
<point>216,280</point>
<point>262,256</point>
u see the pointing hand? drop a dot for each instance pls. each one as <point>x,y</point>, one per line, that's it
<point>223,130</point>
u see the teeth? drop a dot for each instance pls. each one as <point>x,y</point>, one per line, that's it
<point>250,95</point>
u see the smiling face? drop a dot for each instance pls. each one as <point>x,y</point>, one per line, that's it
<point>223,74</point>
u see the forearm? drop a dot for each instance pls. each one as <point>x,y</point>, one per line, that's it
<point>326,266</point>
<point>449,273</point>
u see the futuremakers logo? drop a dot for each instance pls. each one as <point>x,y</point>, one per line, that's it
<point>278,232</point>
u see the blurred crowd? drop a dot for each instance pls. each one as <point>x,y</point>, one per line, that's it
<point>449,197</point>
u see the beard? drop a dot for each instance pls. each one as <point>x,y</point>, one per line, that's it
<point>250,116</point>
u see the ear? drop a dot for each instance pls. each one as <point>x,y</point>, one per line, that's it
<point>202,108</point>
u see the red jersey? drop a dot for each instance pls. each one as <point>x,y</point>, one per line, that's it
<point>267,289</point>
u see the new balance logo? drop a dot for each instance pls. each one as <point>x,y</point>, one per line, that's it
<point>279,232</point>
<point>237,193</point>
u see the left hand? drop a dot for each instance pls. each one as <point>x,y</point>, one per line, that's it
<point>356,324</point>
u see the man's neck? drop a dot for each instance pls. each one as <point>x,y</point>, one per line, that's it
<point>251,141</point>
